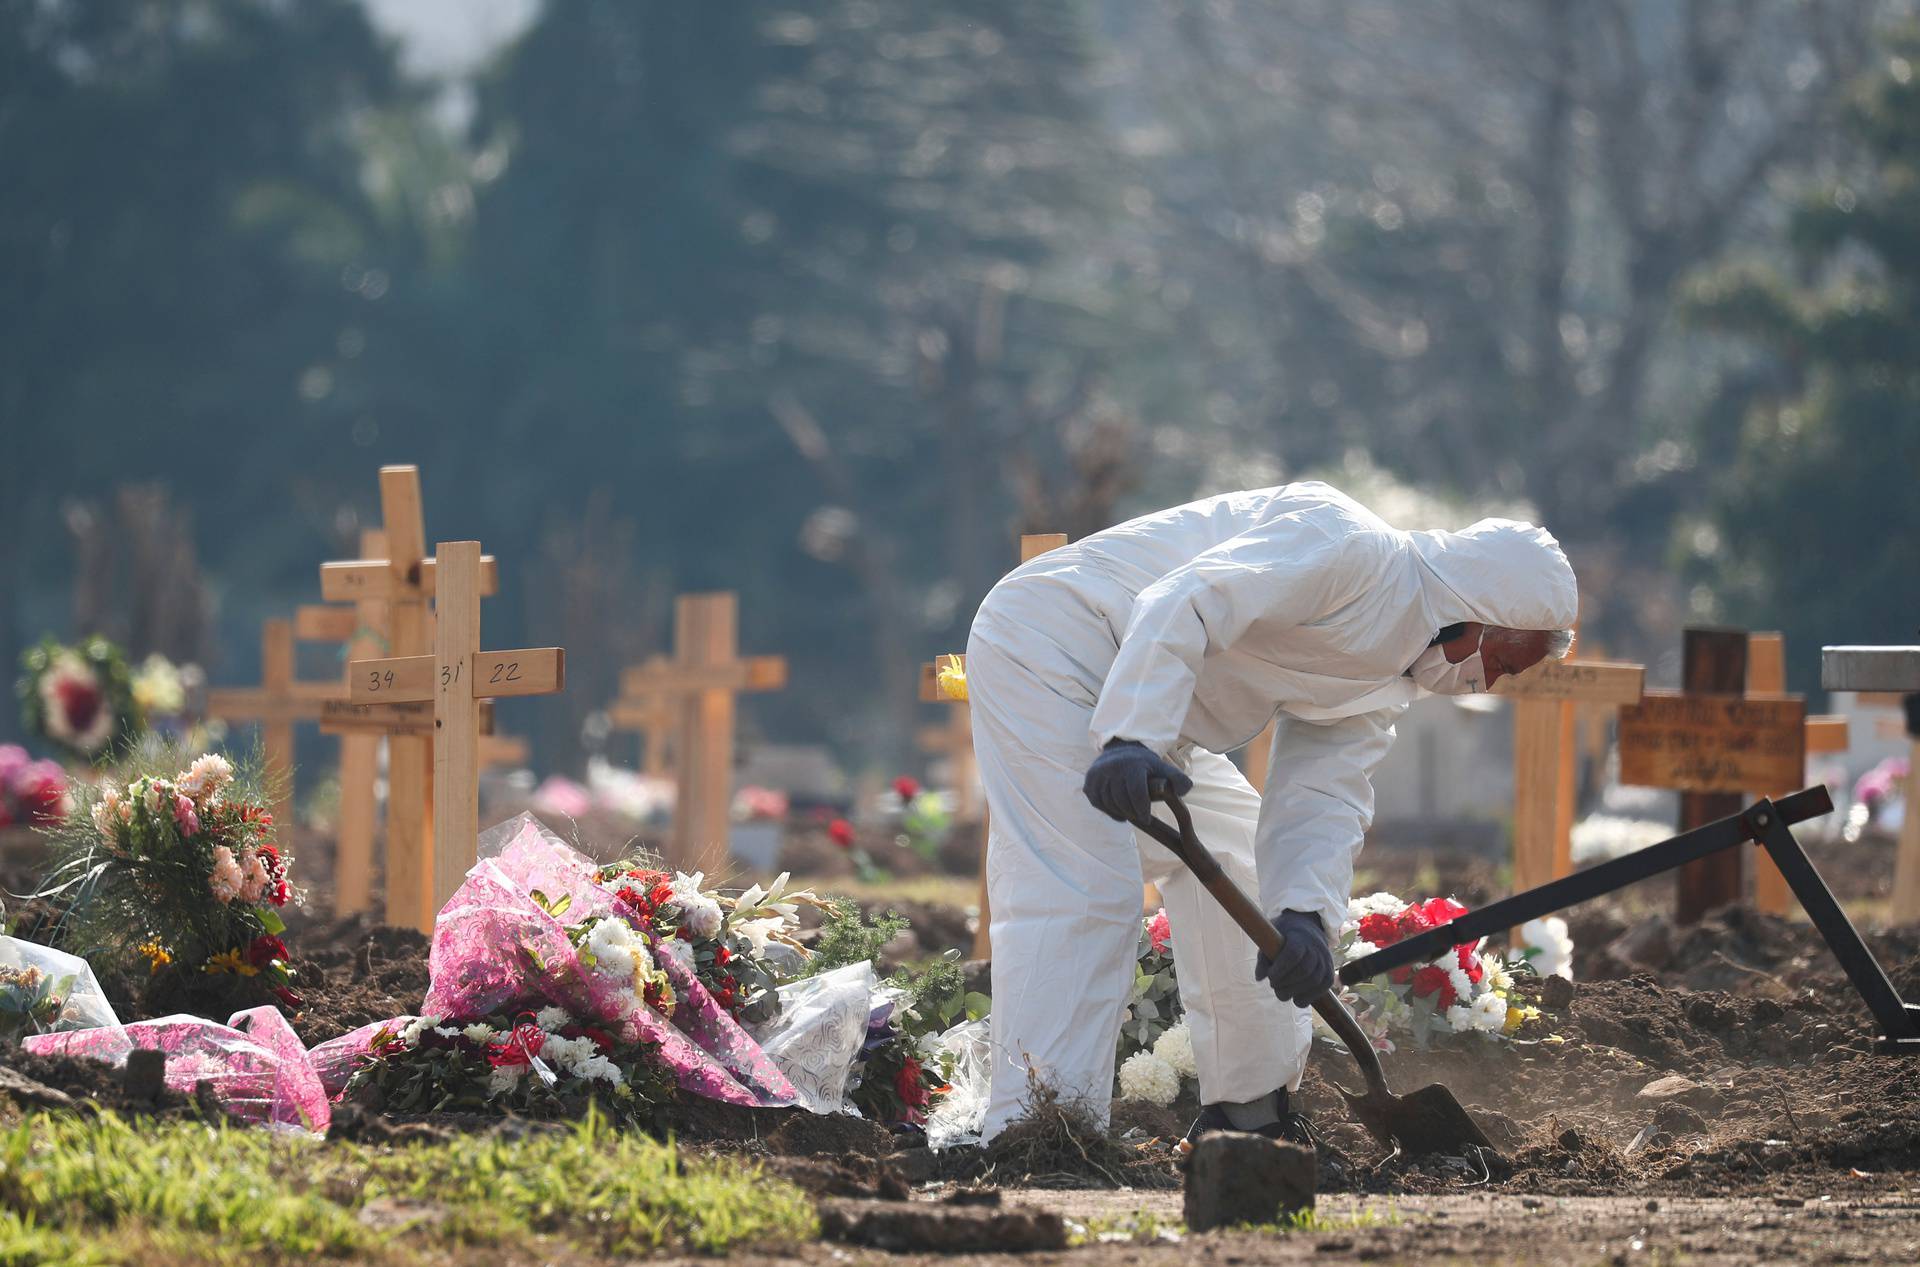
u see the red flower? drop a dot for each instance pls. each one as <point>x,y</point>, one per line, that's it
<point>80,701</point>
<point>266,948</point>
<point>1379,929</point>
<point>1441,910</point>
<point>601,1039</point>
<point>722,955</point>
<point>1412,920</point>
<point>255,814</point>
<point>1434,980</point>
<point>840,832</point>
<point>912,1092</point>
<point>1160,931</point>
<point>519,1046</point>
<point>1400,976</point>
<point>1469,962</point>
<point>282,893</point>
<point>660,894</point>
<point>906,787</point>
<point>289,998</point>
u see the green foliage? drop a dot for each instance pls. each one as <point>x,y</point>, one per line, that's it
<point>1812,519</point>
<point>847,937</point>
<point>76,1189</point>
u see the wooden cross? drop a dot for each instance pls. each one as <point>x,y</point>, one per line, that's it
<point>1713,743</point>
<point>1767,675</point>
<point>954,740</point>
<point>1544,699</point>
<point>275,705</point>
<point>454,680</point>
<point>1888,669</point>
<point>655,713</point>
<point>357,629</point>
<point>701,682</point>
<point>402,578</point>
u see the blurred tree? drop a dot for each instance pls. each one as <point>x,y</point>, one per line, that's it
<point>1814,527</point>
<point>187,256</point>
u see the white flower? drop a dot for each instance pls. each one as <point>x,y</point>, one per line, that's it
<point>1548,946</point>
<point>1459,1019</point>
<point>504,1079</point>
<point>1176,1048</point>
<point>1497,978</point>
<point>207,775</point>
<point>446,1031</point>
<point>700,913</point>
<point>479,1033</point>
<point>1375,904</point>
<point>681,952</point>
<point>1461,982</point>
<point>150,796</point>
<point>1489,1013</point>
<point>580,1058</point>
<point>1359,950</point>
<point>410,1033</point>
<point>1146,1077</point>
<point>552,1018</point>
<point>758,932</point>
<point>612,944</point>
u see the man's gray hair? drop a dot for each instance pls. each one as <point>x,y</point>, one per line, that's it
<point>1559,643</point>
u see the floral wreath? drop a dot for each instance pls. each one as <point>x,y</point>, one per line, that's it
<point>79,698</point>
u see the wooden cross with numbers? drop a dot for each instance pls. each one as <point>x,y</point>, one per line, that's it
<point>1544,698</point>
<point>275,705</point>
<point>701,682</point>
<point>402,577</point>
<point>453,680</point>
<point>655,712</point>
<point>1889,670</point>
<point>1712,742</point>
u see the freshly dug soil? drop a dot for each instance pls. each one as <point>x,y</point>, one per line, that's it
<point>354,971</point>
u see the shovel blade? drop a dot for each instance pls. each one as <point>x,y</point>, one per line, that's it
<point>1430,1120</point>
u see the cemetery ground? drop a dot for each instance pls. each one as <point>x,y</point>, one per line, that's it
<point>1701,1095</point>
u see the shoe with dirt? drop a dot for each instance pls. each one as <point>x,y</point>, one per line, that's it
<point>1294,1128</point>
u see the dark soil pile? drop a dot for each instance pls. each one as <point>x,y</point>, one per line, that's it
<point>355,971</point>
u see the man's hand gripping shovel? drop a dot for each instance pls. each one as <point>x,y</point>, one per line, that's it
<point>1430,1120</point>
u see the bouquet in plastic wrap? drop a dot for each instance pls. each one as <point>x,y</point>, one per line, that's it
<point>254,1066</point>
<point>179,871</point>
<point>531,932</point>
<point>43,991</point>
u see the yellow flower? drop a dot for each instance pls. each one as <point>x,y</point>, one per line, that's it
<point>156,955</point>
<point>1518,1016</point>
<point>230,961</point>
<point>952,676</point>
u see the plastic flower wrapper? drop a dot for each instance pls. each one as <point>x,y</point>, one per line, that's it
<point>500,944</point>
<point>255,1066</point>
<point>818,1032</point>
<point>965,1052</point>
<point>44,991</point>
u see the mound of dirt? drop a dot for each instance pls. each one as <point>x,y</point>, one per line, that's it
<point>354,971</point>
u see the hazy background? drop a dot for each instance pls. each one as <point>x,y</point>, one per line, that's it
<point>825,302</point>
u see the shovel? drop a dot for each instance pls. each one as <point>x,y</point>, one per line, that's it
<point>1430,1120</point>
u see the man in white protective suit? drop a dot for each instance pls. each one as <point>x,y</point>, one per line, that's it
<point>1152,649</point>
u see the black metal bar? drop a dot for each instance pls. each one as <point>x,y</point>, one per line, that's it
<point>1583,886</point>
<point>1899,1021</point>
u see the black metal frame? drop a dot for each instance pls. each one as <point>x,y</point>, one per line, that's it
<point>1765,823</point>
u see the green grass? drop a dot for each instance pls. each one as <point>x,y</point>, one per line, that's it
<point>1145,1227</point>
<point>938,890</point>
<point>76,1190</point>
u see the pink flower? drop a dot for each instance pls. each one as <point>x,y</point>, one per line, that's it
<point>1159,931</point>
<point>254,878</point>
<point>185,816</point>
<point>225,878</point>
<point>906,787</point>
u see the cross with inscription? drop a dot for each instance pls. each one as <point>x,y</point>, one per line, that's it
<point>276,704</point>
<point>453,680</point>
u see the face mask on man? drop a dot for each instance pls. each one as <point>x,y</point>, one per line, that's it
<point>1433,671</point>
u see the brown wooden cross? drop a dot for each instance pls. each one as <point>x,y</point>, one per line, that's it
<point>275,705</point>
<point>655,712</point>
<point>954,740</point>
<point>1712,743</point>
<point>453,681</point>
<point>702,681</point>
<point>1544,700</point>
<point>1894,674</point>
<point>357,629</point>
<point>1767,675</point>
<point>402,578</point>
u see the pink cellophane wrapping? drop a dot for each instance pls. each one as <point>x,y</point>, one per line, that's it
<point>335,1060</point>
<point>495,948</point>
<point>255,1065</point>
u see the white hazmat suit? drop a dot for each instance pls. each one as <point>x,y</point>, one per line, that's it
<point>1188,630</point>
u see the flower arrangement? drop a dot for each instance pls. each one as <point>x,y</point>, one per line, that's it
<point>180,871</point>
<point>1462,991</point>
<point>1155,1056</point>
<point>32,793</point>
<point>171,697</point>
<point>31,1000</point>
<point>724,941</point>
<point>79,698</point>
<point>542,1063</point>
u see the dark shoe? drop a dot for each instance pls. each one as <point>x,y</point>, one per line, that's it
<point>1293,1127</point>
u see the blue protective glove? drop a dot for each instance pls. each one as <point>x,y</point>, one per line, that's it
<point>1117,780</point>
<point>1304,970</point>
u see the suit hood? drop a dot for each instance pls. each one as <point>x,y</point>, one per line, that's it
<point>1498,572</point>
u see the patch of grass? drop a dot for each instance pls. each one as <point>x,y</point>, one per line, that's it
<point>1147,1227</point>
<point>77,1190</point>
<point>936,890</point>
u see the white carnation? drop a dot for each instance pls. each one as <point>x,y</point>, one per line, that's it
<point>1146,1077</point>
<point>1461,982</point>
<point>1459,1019</point>
<point>1489,1013</point>
<point>1176,1048</point>
<point>702,916</point>
<point>1550,946</point>
<point>1375,904</point>
<point>411,1031</point>
<point>552,1018</point>
<point>479,1032</point>
<point>1360,950</point>
<point>681,952</point>
<point>504,1079</point>
<point>611,942</point>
